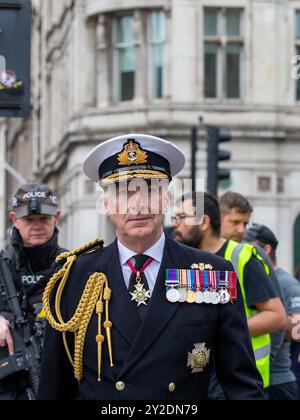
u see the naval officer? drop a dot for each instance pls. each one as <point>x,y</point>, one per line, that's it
<point>145,317</point>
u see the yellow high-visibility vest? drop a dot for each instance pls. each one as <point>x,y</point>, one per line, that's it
<point>262,344</point>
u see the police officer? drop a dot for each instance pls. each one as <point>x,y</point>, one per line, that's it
<point>128,313</point>
<point>31,257</point>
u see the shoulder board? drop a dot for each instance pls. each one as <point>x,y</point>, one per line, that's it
<point>85,249</point>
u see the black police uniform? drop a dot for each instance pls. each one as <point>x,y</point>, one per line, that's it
<point>31,268</point>
<point>151,354</point>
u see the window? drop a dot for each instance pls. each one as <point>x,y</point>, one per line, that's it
<point>298,79</point>
<point>125,58</point>
<point>280,185</point>
<point>233,22</point>
<point>135,36</point>
<point>211,69</point>
<point>232,71</point>
<point>157,48</point>
<point>264,184</point>
<point>298,24</point>
<point>223,52</point>
<point>211,22</point>
<point>298,51</point>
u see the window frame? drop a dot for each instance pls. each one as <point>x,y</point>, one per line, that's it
<point>117,47</point>
<point>297,52</point>
<point>151,44</point>
<point>223,41</point>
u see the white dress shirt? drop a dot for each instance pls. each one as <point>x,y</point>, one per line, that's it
<point>156,252</point>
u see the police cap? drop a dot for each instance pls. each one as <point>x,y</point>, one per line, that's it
<point>34,198</point>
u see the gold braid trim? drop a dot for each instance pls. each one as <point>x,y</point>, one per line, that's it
<point>137,171</point>
<point>95,291</point>
<point>133,174</point>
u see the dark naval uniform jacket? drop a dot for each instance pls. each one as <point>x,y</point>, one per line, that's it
<point>151,354</point>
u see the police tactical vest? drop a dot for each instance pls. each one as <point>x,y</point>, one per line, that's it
<point>30,285</point>
<point>240,255</point>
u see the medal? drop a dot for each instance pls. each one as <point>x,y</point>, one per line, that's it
<point>191,297</point>
<point>140,295</point>
<point>200,286</point>
<point>215,298</point>
<point>223,283</point>
<point>199,358</point>
<point>183,295</point>
<point>191,286</point>
<point>224,297</point>
<point>173,295</point>
<point>183,286</point>
<point>206,296</point>
<point>199,298</point>
<point>214,295</point>
<point>172,283</point>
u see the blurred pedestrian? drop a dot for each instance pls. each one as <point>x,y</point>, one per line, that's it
<point>283,381</point>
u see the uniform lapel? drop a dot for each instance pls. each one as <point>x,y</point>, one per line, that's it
<point>160,311</point>
<point>123,313</point>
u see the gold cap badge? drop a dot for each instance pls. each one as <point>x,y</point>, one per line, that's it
<point>199,358</point>
<point>132,154</point>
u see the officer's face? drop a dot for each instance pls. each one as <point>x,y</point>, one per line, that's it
<point>35,229</point>
<point>137,209</point>
<point>186,225</point>
<point>234,225</point>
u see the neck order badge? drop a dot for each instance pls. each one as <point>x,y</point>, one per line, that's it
<point>140,295</point>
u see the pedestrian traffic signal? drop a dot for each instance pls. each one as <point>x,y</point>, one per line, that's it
<point>214,156</point>
<point>15,40</point>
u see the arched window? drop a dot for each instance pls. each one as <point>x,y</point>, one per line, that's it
<point>297,242</point>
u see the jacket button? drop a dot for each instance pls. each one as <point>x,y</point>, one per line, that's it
<point>120,386</point>
<point>172,387</point>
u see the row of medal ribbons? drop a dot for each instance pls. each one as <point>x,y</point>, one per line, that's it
<point>196,286</point>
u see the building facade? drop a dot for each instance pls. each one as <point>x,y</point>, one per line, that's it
<point>101,68</point>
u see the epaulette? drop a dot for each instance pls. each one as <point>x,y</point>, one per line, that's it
<point>85,249</point>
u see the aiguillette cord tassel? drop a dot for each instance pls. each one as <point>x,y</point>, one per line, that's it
<point>106,295</point>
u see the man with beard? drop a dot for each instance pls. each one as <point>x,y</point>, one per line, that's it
<point>31,258</point>
<point>263,307</point>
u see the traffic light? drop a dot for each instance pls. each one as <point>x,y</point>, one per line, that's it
<point>194,149</point>
<point>15,41</point>
<point>214,156</point>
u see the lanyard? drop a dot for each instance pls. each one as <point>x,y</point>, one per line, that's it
<point>138,273</point>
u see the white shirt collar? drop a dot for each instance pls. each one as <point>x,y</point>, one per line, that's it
<point>156,251</point>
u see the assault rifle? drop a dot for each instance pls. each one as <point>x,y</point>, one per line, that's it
<point>28,346</point>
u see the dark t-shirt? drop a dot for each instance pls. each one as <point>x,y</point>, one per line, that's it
<point>258,287</point>
<point>281,366</point>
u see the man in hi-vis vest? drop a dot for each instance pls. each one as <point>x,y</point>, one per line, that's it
<point>263,308</point>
